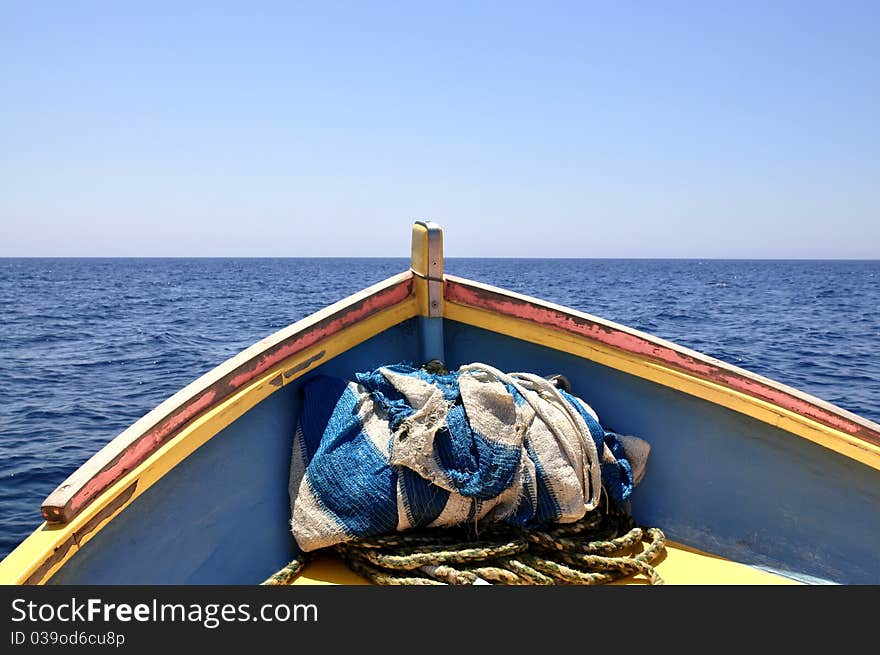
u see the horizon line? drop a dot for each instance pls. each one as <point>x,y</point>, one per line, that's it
<point>448,258</point>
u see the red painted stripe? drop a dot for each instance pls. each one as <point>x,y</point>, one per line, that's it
<point>473,296</point>
<point>369,306</point>
<point>140,450</point>
<point>155,437</point>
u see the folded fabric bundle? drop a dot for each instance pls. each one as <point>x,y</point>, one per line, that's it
<point>401,447</point>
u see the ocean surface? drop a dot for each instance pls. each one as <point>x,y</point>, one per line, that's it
<point>90,345</point>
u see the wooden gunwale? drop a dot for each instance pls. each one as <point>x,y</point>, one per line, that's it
<point>144,437</point>
<point>667,363</point>
<point>234,387</point>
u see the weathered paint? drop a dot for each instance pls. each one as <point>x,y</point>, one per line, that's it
<point>289,373</point>
<point>111,463</point>
<point>129,458</point>
<point>427,266</point>
<point>480,296</point>
<point>716,479</point>
<point>47,539</point>
<point>352,314</point>
<point>679,565</point>
<point>62,552</point>
<point>221,515</point>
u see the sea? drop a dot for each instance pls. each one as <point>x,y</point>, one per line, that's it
<point>87,346</point>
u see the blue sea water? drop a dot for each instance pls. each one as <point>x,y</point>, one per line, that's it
<point>89,345</point>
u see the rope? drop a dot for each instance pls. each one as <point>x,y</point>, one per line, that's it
<point>602,547</point>
<point>288,574</point>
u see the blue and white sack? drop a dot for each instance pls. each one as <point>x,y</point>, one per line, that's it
<point>402,448</point>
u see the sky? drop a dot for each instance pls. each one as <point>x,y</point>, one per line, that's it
<point>542,129</point>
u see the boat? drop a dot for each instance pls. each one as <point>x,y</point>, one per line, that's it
<point>752,481</point>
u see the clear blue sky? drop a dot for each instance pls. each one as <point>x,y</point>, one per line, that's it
<point>575,129</point>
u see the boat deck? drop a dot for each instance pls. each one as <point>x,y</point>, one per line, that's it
<point>678,565</point>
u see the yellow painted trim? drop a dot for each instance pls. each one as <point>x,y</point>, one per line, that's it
<point>419,255</point>
<point>43,542</point>
<point>419,266</point>
<point>427,267</point>
<point>682,565</point>
<point>420,291</point>
<point>642,367</point>
<point>54,505</point>
<point>679,565</point>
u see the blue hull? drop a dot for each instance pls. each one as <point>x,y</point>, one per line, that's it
<point>717,480</point>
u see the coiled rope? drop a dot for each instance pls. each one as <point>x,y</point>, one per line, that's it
<point>602,547</point>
